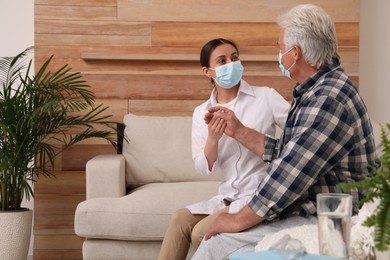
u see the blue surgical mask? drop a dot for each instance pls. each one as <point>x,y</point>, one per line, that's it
<point>286,72</point>
<point>228,75</point>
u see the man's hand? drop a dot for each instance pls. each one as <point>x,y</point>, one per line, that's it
<point>224,223</point>
<point>210,113</point>
<point>230,223</point>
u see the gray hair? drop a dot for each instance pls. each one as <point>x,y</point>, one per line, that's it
<point>310,27</point>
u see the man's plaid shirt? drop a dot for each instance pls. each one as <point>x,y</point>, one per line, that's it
<point>328,139</point>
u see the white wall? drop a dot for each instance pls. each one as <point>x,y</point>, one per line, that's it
<point>17,26</point>
<point>375,58</point>
<point>17,33</point>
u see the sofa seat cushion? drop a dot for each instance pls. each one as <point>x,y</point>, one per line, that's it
<point>141,215</point>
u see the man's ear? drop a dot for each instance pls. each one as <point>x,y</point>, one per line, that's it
<point>297,53</point>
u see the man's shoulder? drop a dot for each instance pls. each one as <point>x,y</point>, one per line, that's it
<point>337,85</point>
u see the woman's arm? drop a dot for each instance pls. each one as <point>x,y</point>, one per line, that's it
<point>216,128</point>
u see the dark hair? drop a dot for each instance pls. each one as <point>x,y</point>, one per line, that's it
<point>209,47</point>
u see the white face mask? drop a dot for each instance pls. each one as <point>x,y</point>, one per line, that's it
<point>228,75</point>
<point>286,72</point>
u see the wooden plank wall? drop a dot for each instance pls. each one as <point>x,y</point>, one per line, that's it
<point>142,57</point>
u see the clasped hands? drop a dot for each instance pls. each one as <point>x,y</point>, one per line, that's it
<point>222,120</point>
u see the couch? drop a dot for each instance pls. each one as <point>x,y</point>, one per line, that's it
<point>131,196</point>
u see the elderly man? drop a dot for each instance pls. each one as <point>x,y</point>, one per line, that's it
<point>327,139</point>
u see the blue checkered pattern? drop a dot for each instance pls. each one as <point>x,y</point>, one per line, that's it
<point>328,139</point>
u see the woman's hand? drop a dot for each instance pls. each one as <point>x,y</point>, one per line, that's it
<point>216,127</point>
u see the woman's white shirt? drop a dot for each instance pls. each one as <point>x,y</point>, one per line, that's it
<point>259,108</point>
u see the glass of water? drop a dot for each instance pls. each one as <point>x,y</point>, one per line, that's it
<point>334,211</point>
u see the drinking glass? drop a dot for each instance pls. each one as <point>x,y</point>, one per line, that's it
<point>334,211</point>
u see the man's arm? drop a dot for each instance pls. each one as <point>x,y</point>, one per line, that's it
<point>230,223</point>
<point>248,137</point>
<point>320,138</point>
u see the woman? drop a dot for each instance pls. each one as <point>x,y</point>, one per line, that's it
<point>260,108</point>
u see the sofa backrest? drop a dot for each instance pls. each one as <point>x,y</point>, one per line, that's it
<point>159,150</point>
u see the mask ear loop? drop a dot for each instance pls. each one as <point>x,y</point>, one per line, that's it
<point>294,59</point>
<point>287,51</point>
<point>291,66</point>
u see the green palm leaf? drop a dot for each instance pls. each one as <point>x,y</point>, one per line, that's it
<point>36,114</point>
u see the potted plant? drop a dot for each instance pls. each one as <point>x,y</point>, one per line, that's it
<point>376,188</point>
<point>36,114</point>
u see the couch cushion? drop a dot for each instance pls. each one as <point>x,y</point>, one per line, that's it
<point>159,150</point>
<point>142,215</point>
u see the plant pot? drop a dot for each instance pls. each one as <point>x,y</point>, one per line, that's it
<point>15,234</point>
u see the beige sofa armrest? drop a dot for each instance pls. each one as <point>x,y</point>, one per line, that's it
<point>105,176</point>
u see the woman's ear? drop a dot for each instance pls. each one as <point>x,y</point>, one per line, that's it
<point>206,72</point>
